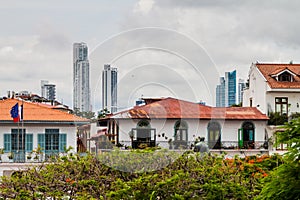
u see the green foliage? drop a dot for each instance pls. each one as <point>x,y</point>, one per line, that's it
<point>190,176</point>
<point>275,118</point>
<point>86,114</point>
<point>284,182</point>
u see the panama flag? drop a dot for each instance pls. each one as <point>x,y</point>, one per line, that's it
<point>17,113</point>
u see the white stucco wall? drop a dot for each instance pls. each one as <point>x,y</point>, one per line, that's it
<point>293,99</point>
<point>69,130</point>
<point>256,91</point>
<point>229,129</point>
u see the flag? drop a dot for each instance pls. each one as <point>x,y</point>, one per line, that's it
<point>14,112</point>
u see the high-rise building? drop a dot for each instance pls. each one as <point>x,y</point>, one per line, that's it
<point>220,93</point>
<point>109,88</point>
<point>241,87</point>
<point>81,78</point>
<point>226,90</point>
<point>230,88</point>
<point>48,91</point>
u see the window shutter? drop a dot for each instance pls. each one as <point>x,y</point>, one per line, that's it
<point>7,142</point>
<point>29,142</point>
<point>62,142</point>
<point>41,141</point>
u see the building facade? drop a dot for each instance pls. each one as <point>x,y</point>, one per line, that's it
<point>220,93</point>
<point>81,78</point>
<point>48,91</point>
<point>109,88</point>
<point>226,90</point>
<point>44,128</point>
<point>241,87</point>
<point>273,88</point>
<point>177,122</point>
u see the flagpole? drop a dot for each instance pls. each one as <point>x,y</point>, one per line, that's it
<point>23,134</point>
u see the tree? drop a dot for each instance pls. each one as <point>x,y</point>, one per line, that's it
<point>103,113</point>
<point>284,182</point>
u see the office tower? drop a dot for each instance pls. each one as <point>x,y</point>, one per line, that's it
<point>226,90</point>
<point>109,88</point>
<point>220,93</point>
<point>241,87</point>
<point>230,88</point>
<point>81,78</point>
<point>48,90</point>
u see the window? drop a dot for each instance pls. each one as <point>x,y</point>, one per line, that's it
<point>214,135</point>
<point>281,105</point>
<point>52,141</point>
<point>285,76</point>
<point>17,139</point>
<point>143,134</point>
<point>181,131</point>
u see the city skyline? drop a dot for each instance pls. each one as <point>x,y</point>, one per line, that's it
<point>38,45</point>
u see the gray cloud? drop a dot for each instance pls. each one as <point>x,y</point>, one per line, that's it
<point>198,41</point>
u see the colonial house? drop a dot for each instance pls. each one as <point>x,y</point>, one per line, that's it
<point>273,88</point>
<point>175,123</point>
<point>44,129</point>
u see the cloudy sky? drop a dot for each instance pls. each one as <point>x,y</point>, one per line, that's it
<point>173,48</point>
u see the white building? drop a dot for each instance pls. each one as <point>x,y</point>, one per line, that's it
<point>43,126</point>
<point>160,120</point>
<point>273,88</point>
<point>81,78</point>
<point>109,88</point>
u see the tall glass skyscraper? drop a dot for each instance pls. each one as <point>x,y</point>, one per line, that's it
<point>109,88</point>
<point>226,90</point>
<point>81,78</point>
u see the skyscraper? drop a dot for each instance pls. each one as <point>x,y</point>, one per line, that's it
<point>226,90</point>
<point>230,88</point>
<point>241,87</point>
<point>220,93</point>
<point>81,78</point>
<point>48,90</point>
<point>109,88</point>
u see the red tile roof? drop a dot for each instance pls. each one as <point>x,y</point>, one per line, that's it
<point>36,112</point>
<point>170,108</point>
<point>268,70</point>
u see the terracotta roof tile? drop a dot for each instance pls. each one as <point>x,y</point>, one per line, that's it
<point>36,112</point>
<point>268,70</point>
<point>173,108</point>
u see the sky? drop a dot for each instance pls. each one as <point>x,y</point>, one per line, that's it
<point>161,47</point>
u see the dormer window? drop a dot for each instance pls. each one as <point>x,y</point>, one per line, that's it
<point>285,77</point>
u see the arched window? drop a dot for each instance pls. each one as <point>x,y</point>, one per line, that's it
<point>143,134</point>
<point>248,135</point>
<point>143,124</point>
<point>214,135</point>
<point>180,134</point>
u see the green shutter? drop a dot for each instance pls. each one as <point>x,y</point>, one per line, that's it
<point>29,142</point>
<point>41,141</point>
<point>7,142</point>
<point>62,142</point>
